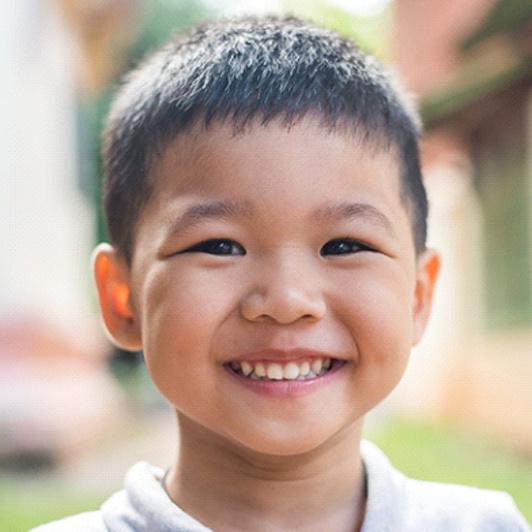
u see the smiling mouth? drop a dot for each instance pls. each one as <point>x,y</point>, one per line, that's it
<point>275,371</point>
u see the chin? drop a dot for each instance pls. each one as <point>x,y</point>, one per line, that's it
<point>281,443</point>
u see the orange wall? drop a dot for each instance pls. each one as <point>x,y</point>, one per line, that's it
<point>427,34</point>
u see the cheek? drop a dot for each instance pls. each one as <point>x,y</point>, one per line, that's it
<point>377,312</point>
<point>180,316</point>
<point>176,305</point>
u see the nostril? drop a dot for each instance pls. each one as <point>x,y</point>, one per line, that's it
<point>285,291</point>
<point>283,307</point>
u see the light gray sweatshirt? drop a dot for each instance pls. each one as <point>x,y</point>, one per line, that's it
<point>395,503</point>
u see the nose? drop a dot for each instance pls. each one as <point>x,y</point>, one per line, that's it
<point>285,292</point>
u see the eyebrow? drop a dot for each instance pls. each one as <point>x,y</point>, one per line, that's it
<point>348,211</point>
<point>214,210</point>
<point>198,213</point>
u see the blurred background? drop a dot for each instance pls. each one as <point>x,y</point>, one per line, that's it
<point>75,413</point>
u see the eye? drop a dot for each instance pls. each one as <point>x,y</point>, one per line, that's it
<point>217,246</point>
<point>343,246</point>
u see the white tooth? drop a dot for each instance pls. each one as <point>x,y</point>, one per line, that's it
<point>275,372</point>
<point>246,368</point>
<point>291,371</point>
<point>260,370</point>
<point>304,369</point>
<point>326,363</point>
<point>317,365</point>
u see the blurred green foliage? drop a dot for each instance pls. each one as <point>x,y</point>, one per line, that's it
<point>372,33</point>
<point>160,19</point>
<point>430,451</point>
<point>24,508</point>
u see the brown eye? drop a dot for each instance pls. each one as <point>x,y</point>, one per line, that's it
<point>343,246</point>
<point>217,246</point>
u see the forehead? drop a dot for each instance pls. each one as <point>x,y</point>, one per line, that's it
<point>301,178</point>
<point>305,151</point>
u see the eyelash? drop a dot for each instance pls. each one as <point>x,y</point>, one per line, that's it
<point>226,247</point>
<point>338,247</point>
<point>217,246</point>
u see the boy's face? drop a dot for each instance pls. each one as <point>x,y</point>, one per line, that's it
<point>276,251</point>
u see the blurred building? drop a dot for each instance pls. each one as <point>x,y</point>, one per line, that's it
<point>55,390</point>
<point>471,65</point>
<point>45,224</point>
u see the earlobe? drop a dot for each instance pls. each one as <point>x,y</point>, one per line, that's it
<point>111,274</point>
<point>428,267</point>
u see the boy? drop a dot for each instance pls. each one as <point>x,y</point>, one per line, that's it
<point>268,220</point>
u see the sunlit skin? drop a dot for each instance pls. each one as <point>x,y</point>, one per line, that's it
<point>275,245</point>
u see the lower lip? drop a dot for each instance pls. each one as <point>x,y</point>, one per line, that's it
<point>287,388</point>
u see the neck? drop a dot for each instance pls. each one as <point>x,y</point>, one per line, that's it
<point>227,487</point>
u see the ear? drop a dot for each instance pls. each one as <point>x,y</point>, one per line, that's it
<point>428,267</point>
<point>111,273</point>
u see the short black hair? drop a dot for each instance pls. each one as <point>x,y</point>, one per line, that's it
<point>243,71</point>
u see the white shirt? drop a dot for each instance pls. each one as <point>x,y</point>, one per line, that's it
<point>395,503</point>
